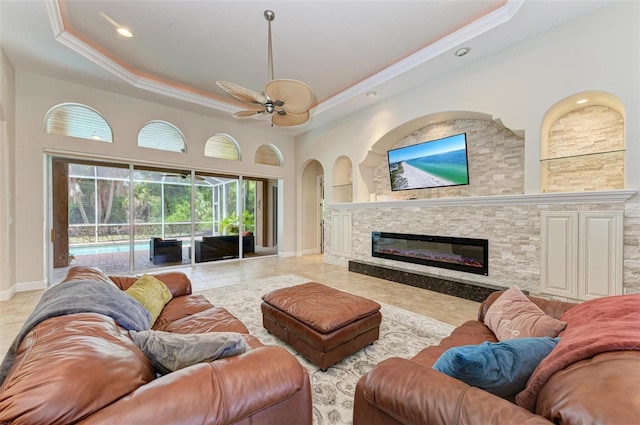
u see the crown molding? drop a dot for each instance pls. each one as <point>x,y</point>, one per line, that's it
<point>132,78</point>
<point>451,41</point>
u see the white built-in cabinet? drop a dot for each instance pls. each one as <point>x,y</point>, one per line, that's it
<point>581,253</point>
<point>341,233</point>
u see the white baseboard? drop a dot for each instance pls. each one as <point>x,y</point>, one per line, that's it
<point>6,295</point>
<point>22,287</point>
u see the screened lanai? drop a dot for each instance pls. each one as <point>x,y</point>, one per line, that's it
<point>127,218</point>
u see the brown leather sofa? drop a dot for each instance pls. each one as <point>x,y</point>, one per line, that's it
<point>85,369</point>
<point>602,389</point>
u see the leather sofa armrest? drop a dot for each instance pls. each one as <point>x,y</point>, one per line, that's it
<point>225,391</point>
<point>411,393</point>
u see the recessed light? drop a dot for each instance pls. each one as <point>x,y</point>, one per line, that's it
<point>581,101</point>
<point>462,51</point>
<point>125,32</point>
<point>372,94</point>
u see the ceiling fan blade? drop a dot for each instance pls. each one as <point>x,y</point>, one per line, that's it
<point>242,93</point>
<point>296,95</point>
<point>289,119</point>
<point>250,114</point>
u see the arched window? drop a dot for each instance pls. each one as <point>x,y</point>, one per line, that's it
<point>222,146</point>
<point>268,155</point>
<point>583,147</point>
<point>75,120</point>
<point>163,136</point>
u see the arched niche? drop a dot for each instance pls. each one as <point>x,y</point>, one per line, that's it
<point>342,183</point>
<point>379,149</point>
<point>582,144</point>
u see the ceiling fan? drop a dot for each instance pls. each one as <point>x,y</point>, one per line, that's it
<point>287,101</point>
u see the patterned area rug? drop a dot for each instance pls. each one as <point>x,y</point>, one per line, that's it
<point>402,334</point>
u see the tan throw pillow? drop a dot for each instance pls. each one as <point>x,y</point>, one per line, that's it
<point>513,315</point>
<point>152,293</point>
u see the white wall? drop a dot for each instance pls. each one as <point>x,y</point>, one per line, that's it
<point>600,51</point>
<point>7,192</point>
<point>36,95</point>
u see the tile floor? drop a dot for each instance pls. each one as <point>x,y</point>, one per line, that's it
<point>442,307</point>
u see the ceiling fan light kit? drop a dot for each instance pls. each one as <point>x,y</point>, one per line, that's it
<point>287,101</point>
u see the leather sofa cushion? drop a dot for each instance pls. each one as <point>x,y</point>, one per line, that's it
<point>177,282</point>
<point>181,307</point>
<point>98,360</point>
<point>214,319</point>
<point>472,332</point>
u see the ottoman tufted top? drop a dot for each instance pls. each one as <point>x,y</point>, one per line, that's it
<point>320,307</point>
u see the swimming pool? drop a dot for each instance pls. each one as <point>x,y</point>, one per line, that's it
<point>106,248</point>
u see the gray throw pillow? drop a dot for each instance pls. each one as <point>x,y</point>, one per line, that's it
<point>169,352</point>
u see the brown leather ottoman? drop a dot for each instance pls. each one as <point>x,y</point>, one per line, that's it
<point>323,324</point>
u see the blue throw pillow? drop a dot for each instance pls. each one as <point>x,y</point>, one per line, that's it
<point>501,368</point>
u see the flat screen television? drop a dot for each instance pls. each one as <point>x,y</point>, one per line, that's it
<point>436,163</point>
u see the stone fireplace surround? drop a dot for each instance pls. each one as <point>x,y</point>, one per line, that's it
<point>493,206</point>
<point>511,223</point>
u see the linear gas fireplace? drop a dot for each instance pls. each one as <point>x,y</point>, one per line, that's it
<point>463,254</point>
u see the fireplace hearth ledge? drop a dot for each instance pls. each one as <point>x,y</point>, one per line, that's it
<point>461,288</point>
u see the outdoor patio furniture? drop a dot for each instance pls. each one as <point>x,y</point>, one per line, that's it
<point>162,251</point>
<point>222,247</point>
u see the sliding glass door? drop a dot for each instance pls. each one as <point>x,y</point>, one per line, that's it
<point>125,218</point>
<point>216,219</point>
<point>161,208</point>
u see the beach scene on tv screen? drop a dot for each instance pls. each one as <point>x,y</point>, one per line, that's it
<point>438,163</point>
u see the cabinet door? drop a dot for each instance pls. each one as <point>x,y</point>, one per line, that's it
<point>341,233</point>
<point>559,253</point>
<point>600,258</point>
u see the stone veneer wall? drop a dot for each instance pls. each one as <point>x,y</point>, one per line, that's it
<point>495,158</point>
<point>586,130</point>
<point>513,232</point>
<point>585,151</point>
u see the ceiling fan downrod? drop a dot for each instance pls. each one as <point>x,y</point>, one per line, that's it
<point>269,15</point>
